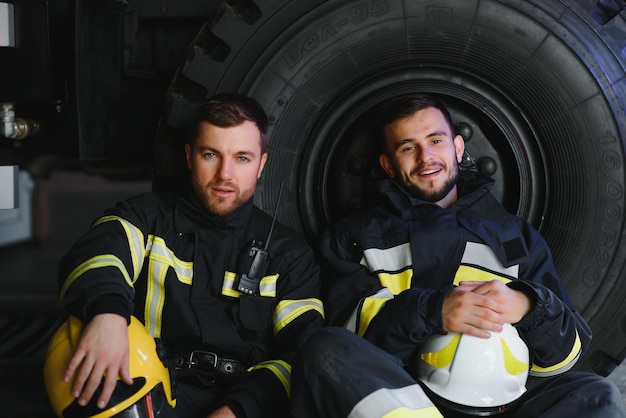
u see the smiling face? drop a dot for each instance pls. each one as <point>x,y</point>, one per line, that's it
<point>225,164</point>
<point>423,156</point>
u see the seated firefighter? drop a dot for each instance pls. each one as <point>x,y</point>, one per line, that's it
<point>443,303</point>
<point>229,294</point>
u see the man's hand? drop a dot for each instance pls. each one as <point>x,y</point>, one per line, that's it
<point>515,304</point>
<point>223,412</point>
<point>103,349</point>
<point>476,308</point>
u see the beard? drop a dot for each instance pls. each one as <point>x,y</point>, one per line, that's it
<point>217,205</point>
<point>430,194</point>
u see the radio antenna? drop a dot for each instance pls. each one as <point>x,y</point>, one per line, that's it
<point>269,234</point>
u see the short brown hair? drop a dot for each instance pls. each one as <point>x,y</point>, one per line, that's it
<point>227,110</point>
<point>404,106</point>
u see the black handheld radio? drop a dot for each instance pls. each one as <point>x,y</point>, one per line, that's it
<point>252,264</point>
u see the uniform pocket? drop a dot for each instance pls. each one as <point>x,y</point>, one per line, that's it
<point>255,312</point>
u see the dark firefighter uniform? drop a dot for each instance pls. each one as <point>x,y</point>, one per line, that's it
<point>388,271</point>
<point>173,265</point>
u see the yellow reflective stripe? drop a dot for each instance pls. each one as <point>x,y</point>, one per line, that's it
<point>353,322</point>
<point>565,364</point>
<point>371,307</point>
<point>134,237</point>
<point>160,259</point>
<point>443,357</point>
<point>228,285</point>
<point>99,261</point>
<point>408,401</point>
<point>155,298</point>
<point>396,282</point>
<point>280,369</point>
<point>468,273</point>
<point>512,365</point>
<point>160,253</point>
<point>267,286</point>
<point>428,412</point>
<point>482,255</point>
<point>288,310</point>
<point>388,259</point>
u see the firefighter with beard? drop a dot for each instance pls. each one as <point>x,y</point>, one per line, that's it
<point>443,303</point>
<point>229,294</point>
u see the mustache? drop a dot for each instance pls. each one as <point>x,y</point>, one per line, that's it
<point>423,166</point>
<point>222,184</point>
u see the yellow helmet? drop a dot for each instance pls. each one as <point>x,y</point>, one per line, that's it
<point>150,392</point>
<point>474,375</point>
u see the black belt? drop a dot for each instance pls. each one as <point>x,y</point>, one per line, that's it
<point>206,362</point>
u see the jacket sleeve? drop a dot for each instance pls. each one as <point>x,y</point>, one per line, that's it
<point>555,332</point>
<point>98,272</point>
<point>298,313</point>
<point>396,320</point>
<point>400,321</point>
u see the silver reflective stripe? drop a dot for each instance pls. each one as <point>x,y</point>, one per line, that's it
<point>353,321</point>
<point>228,285</point>
<point>563,366</point>
<point>288,310</point>
<point>99,261</point>
<point>159,253</point>
<point>267,286</point>
<point>389,259</point>
<point>160,259</point>
<point>409,401</point>
<point>134,236</point>
<point>280,369</point>
<point>155,298</point>
<point>481,255</point>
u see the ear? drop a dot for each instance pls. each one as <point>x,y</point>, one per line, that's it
<point>385,163</point>
<point>188,155</point>
<point>459,146</point>
<point>262,165</point>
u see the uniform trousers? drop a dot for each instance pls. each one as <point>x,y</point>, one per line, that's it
<point>336,369</point>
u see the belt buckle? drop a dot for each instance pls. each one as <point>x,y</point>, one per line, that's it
<point>191,362</point>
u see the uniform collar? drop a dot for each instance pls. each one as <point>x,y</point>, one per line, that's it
<point>189,215</point>
<point>476,209</point>
<point>470,187</point>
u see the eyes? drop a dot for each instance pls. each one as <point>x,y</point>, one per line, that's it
<point>211,156</point>
<point>412,146</point>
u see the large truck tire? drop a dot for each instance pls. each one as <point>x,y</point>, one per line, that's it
<point>537,88</point>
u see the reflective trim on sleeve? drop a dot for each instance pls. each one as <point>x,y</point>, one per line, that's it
<point>389,259</point>
<point>135,241</point>
<point>99,261</point>
<point>409,401</point>
<point>288,310</point>
<point>280,369</point>
<point>371,307</point>
<point>160,253</point>
<point>561,367</point>
<point>366,310</point>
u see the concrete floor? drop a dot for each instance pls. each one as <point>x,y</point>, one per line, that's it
<point>65,206</point>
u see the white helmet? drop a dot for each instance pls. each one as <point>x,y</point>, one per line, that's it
<point>475,375</point>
